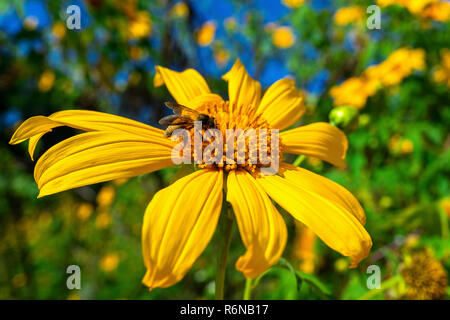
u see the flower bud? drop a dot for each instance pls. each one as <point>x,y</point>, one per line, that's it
<point>344,117</point>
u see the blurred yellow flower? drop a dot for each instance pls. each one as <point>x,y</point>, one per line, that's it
<point>46,81</point>
<point>347,15</point>
<point>106,196</point>
<point>407,146</point>
<point>341,265</point>
<point>140,26</point>
<point>206,33</point>
<point>400,64</point>
<point>221,57</point>
<point>304,242</point>
<point>103,220</point>
<point>315,162</point>
<point>109,262</point>
<point>73,296</point>
<point>429,9</point>
<point>179,10</point>
<point>353,92</point>
<point>292,3</point>
<point>439,11</point>
<point>59,30</point>
<point>84,211</point>
<point>442,72</point>
<point>283,37</point>
<point>445,204</point>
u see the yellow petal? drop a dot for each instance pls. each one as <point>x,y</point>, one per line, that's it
<point>282,104</point>
<point>243,90</point>
<point>183,86</point>
<point>205,98</point>
<point>320,140</point>
<point>99,156</point>
<point>262,228</point>
<point>325,187</point>
<point>178,224</point>
<point>35,127</point>
<point>332,223</point>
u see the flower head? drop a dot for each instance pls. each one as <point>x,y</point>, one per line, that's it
<point>347,15</point>
<point>177,225</point>
<point>292,3</point>
<point>282,37</point>
<point>425,277</point>
<point>206,33</point>
<point>140,26</point>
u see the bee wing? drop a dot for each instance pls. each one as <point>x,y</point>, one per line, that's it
<point>166,121</point>
<point>175,120</point>
<point>179,109</point>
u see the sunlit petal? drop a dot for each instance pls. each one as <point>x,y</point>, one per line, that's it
<point>35,127</point>
<point>320,140</point>
<point>94,157</point>
<point>332,223</point>
<point>183,86</point>
<point>262,228</point>
<point>178,224</point>
<point>243,90</point>
<point>282,104</point>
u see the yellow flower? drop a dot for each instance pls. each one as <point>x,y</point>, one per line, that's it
<point>179,10</point>
<point>140,26</point>
<point>282,37</point>
<point>84,211</point>
<point>347,15</point>
<point>445,205</point>
<point>59,30</point>
<point>103,220</point>
<point>439,11</point>
<point>109,262</point>
<point>400,64</point>
<point>178,226</point>
<point>221,57</point>
<point>407,146</point>
<point>292,3</point>
<point>304,247</point>
<point>353,92</point>
<point>429,9</point>
<point>46,81</point>
<point>442,72</point>
<point>106,196</point>
<point>205,35</point>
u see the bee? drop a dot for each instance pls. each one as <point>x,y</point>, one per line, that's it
<point>184,117</point>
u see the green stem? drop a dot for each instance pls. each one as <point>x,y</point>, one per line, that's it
<point>248,289</point>
<point>384,286</point>
<point>299,160</point>
<point>225,226</point>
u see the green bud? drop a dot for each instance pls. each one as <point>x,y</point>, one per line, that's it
<point>344,117</point>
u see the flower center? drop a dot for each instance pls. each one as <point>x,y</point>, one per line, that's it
<point>247,141</point>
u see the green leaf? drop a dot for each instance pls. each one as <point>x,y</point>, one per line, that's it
<point>320,288</point>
